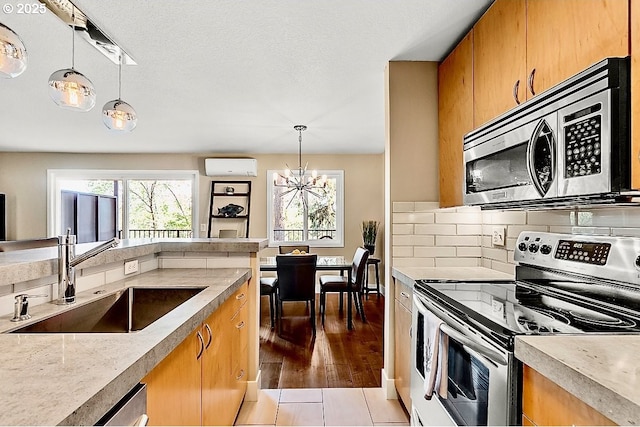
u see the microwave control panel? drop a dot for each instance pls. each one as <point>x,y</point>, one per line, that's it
<point>586,252</point>
<point>582,140</point>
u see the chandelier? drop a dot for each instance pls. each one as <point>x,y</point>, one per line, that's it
<point>297,181</point>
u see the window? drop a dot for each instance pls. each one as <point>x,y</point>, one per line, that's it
<point>295,217</point>
<point>150,204</point>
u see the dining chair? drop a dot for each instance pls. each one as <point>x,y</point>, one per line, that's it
<point>286,249</point>
<point>268,288</point>
<point>340,284</point>
<point>295,281</point>
<point>228,234</point>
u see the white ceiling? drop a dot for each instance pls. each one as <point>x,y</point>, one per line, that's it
<point>227,76</point>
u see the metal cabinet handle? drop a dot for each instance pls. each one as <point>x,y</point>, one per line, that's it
<point>516,88</point>
<point>241,375</point>
<point>404,294</point>
<point>201,345</point>
<point>240,325</point>
<point>206,326</point>
<point>241,296</point>
<point>530,81</point>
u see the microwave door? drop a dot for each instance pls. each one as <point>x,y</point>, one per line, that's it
<point>541,158</point>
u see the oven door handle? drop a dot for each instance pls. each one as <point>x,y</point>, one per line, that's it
<point>462,338</point>
<point>469,344</point>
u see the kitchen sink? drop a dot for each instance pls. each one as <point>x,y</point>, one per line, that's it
<point>129,310</point>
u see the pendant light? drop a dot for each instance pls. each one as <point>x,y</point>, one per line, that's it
<point>118,115</point>
<point>70,89</point>
<point>13,54</point>
<point>297,181</point>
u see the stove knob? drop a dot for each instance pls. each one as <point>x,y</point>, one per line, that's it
<point>533,247</point>
<point>545,249</point>
<point>638,261</point>
<point>522,246</point>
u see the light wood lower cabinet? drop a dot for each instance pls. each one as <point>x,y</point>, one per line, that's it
<point>199,383</point>
<point>544,403</point>
<point>403,344</point>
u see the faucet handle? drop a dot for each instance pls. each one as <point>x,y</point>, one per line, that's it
<point>21,306</point>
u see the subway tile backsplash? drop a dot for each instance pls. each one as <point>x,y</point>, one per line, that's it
<point>425,236</point>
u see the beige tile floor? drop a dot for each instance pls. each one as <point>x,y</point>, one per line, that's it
<point>322,407</point>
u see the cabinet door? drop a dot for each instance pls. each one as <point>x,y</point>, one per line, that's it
<point>173,387</point>
<point>402,353</point>
<point>455,118</point>
<point>565,37</point>
<point>499,60</point>
<point>545,403</point>
<point>216,363</point>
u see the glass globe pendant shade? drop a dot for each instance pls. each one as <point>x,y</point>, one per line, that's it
<point>13,54</point>
<point>72,90</point>
<point>119,116</point>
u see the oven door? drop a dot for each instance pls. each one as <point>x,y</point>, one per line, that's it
<point>480,376</point>
<point>518,165</point>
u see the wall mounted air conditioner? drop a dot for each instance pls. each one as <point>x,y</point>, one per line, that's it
<point>231,167</point>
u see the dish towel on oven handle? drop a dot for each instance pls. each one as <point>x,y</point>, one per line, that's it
<point>436,349</point>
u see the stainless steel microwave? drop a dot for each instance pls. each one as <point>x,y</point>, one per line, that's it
<point>569,145</point>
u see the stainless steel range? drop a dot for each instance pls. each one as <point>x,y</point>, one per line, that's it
<point>565,284</point>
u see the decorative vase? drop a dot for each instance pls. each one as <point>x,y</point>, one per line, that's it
<point>370,248</point>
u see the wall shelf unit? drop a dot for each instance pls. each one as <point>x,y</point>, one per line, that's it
<point>229,207</point>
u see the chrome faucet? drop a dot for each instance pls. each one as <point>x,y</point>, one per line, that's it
<point>21,307</point>
<point>67,261</point>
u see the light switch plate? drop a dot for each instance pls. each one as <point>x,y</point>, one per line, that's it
<point>497,236</point>
<point>131,267</point>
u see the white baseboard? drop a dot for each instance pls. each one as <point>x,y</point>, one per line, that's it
<point>389,386</point>
<point>253,387</point>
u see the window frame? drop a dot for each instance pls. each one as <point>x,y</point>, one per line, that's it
<point>338,242</point>
<point>54,190</point>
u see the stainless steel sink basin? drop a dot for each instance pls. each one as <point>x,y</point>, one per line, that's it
<point>129,310</point>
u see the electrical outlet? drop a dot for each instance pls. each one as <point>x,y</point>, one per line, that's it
<point>497,236</point>
<point>131,267</point>
<point>497,309</point>
<point>203,227</point>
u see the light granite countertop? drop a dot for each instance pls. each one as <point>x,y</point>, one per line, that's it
<point>74,379</point>
<point>601,370</point>
<point>21,266</point>
<point>408,275</point>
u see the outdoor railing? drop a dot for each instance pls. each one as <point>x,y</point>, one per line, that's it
<point>140,233</point>
<point>297,235</point>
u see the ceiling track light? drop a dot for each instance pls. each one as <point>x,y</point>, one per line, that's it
<point>13,54</point>
<point>117,115</point>
<point>69,88</point>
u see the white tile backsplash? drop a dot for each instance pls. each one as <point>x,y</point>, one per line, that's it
<point>419,241</point>
<point>435,229</point>
<point>403,228</point>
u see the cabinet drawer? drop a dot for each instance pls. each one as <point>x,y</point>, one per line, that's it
<point>404,295</point>
<point>238,299</point>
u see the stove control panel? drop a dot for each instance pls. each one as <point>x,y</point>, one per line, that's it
<point>587,252</point>
<point>614,258</point>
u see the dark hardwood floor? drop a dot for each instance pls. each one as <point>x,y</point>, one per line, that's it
<point>336,357</point>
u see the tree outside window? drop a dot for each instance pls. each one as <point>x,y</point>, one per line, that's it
<point>314,218</point>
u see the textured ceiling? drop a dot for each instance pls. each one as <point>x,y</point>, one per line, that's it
<point>228,76</point>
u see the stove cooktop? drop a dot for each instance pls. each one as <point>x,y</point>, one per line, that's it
<point>509,308</point>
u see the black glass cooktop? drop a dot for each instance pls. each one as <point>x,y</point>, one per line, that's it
<point>503,309</point>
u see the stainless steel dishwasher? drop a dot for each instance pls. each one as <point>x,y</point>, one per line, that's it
<point>131,410</point>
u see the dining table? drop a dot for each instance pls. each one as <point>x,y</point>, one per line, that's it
<point>324,263</point>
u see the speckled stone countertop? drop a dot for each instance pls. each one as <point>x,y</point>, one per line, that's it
<point>601,370</point>
<point>74,379</point>
<point>20,266</point>
<point>408,275</point>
